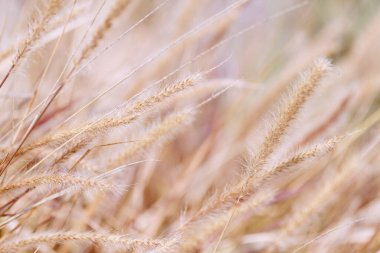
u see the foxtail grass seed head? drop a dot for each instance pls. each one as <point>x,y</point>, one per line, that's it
<point>189,126</point>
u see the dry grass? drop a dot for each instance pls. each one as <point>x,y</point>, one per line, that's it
<point>189,126</point>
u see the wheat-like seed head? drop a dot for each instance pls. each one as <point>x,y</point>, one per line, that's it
<point>96,238</point>
<point>163,98</point>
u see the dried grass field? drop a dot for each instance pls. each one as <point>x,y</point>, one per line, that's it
<point>189,126</point>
